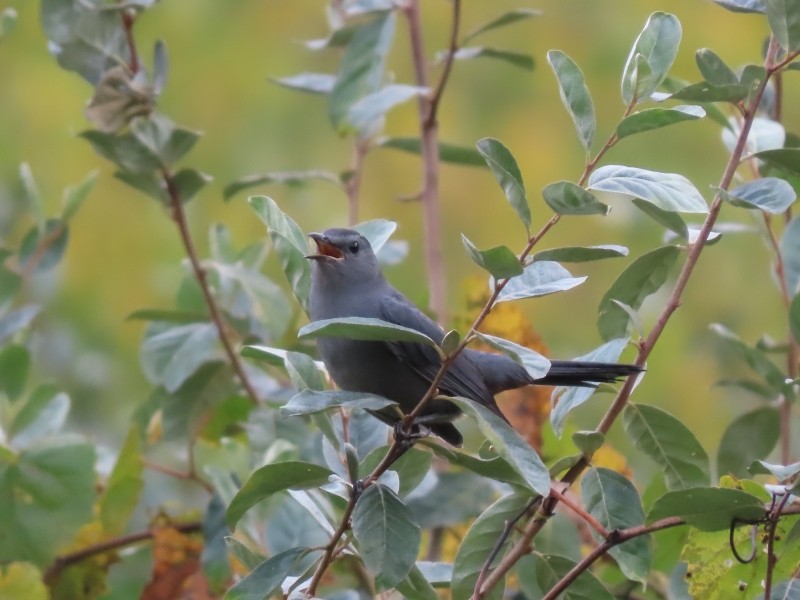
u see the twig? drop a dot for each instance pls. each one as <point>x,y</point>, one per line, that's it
<point>773,517</point>
<point>67,560</point>
<point>179,216</point>
<point>616,538</point>
<point>429,148</point>
<point>448,64</point>
<point>353,185</point>
<point>579,510</point>
<point>41,249</point>
<point>128,16</point>
<point>185,476</point>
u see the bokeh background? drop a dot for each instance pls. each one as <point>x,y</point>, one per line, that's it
<point>124,253</point>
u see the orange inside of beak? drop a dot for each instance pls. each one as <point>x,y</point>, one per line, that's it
<point>326,249</point>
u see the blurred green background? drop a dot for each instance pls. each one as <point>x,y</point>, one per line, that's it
<point>124,253</point>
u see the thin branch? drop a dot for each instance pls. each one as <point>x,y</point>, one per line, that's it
<point>128,16</point>
<point>772,524</point>
<point>353,185</point>
<point>429,148</point>
<point>67,560</point>
<point>617,537</point>
<point>179,216</point>
<point>436,98</point>
<point>183,475</point>
<point>41,249</point>
<point>581,512</point>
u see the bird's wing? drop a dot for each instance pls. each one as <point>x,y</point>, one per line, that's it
<point>462,378</point>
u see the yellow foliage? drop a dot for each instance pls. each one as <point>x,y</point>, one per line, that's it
<point>22,580</point>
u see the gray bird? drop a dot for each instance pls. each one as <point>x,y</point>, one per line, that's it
<point>346,281</point>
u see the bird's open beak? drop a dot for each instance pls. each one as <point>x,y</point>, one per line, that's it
<point>324,248</point>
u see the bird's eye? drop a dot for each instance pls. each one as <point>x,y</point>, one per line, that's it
<point>354,247</point>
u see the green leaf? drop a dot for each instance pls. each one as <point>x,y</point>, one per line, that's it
<point>668,191</point>
<point>567,198</point>
<point>755,358</point>
<point>577,254</point>
<point>500,261</point>
<point>163,139</point>
<point>708,508</point>
<point>369,109</point>
<point>124,150</point>
<point>32,195</point>
<point>505,170</point>
<point>308,402</point>
<point>266,578</point>
<point>160,67</point>
<point>188,182</point>
<point>170,355</point>
<point>75,196</point>
<point>713,68</point>
<point>10,281</point>
<point>448,153</point>
<point>243,553</point>
<point>575,96</point>
<point>613,501</point>
<point>480,541</point>
<point>8,20</point>
<point>643,277</point>
<point>566,399</point>
<point>655,118</point>
<point>290,243</point>
<point>412,467</point>
<point>122,491</point>
<point>17,320</point>
<point>416,585</point>
<point>507,18</point>
<point>657,45</point>
<point>290,178</point>
<point>360,328</point>
<point>539,279</point>
<point>377,231</point>
<point>551,568</point>
<point>769,194</point>
<point>41,250</point>
<point>749,437</point>
<point>361,69</point>
<point>313,83</point>
<point>304,371</point>
<point>42,416</point>
<point>271,479</point>
<point>780,472</point>
<point>710,92</point>
<point>784,20</point>
<point>516,59</point>
<point>787,159</point>
<point>14,365</point>
<point>45,489</point>
<point>670,220</point>
<point>588,442</point>
<point>794,318</point>
<point>497,467</point>
<point>743,6</point>
<point>22,579</point>
<point>790,251</point>
<point>669,443</point>
<point>387,535</point>
<point>509,445</point>
<point>534,363</point>
<point>149,183</point>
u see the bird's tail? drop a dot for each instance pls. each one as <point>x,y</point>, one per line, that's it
<point>582,373</point>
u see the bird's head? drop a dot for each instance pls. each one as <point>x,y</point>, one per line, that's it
<point>344,254</point>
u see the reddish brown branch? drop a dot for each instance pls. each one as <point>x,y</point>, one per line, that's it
<point>179,216</point>
<point>67,560</point>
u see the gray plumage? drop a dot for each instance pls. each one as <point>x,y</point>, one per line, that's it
<point>347,281</point>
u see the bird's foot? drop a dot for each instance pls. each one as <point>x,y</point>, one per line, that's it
<point>407,436</point>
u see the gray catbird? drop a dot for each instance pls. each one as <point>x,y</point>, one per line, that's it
<point>346,281</point>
